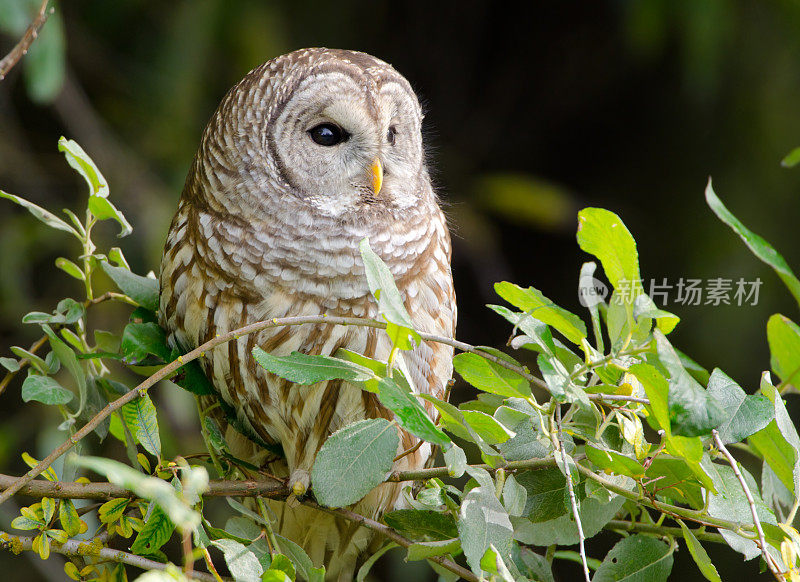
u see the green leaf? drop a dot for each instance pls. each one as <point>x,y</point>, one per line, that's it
<point>483,522</point>
<point>491,377</point>
<point>749,413</point>
<point>784,345</point>
<point>425,550</point>
<point>760,248</point>
<point>673,478</point>
<point>409,413</point>
<point>699,554</point>
<point>40,213</point>
<point>547,496</point>
<point>155,533</point>
<point>555,376</point>
<point>34,360</point>
<point>615,462</point>
<point>594,512</point>
<point>515,496</point>
<point>383,288</point>
<point>103,209</point>
<point>70,268</point>
<point>140,416</point>
<point>143,290</point>
<point>363,571</point>
<point>530,326</point>
<point>531,301</point>
<point>603,234</point>
<point>112,510</point>
<point>493,563</point>
<point>791,159</point>
<point>778,443</point>
<point>305,369</point>
<point>693,411</point>
<point>298,556</point>
<point>731,503</point>
<point>353,461</point>
<point>490,430</point>
<point>242,563</point>
<point>83,164</point>
<point>146,487</point>
<point>67,357</point>
<point>10,364</point>
<point>141,339</point>
<point>422,525</point>
<point>657,389</point>
<point>45,389</point>
<point>637,558</point>
<point>455,459</point>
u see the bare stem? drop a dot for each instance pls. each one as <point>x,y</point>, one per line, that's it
<point>80,548</point>
<point>762,542</point>
<point>633,526</point>
<point>21,48</point>
<point>572,500</point>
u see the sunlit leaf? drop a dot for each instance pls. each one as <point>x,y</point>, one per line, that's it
<point>760,247</point>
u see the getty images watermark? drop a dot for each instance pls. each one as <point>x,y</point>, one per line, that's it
<point>717,291</point>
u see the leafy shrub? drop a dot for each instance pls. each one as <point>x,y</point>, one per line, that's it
<point>619,431</point>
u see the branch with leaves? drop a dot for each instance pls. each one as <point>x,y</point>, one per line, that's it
<point>552,458</point>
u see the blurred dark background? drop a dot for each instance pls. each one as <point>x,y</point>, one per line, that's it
<point>533,112</point>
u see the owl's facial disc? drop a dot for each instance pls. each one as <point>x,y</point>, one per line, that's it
<point>343,142</point>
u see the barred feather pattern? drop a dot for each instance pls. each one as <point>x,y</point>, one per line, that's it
<point>256,236</point>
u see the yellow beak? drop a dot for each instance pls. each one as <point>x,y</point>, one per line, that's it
<point>376,173</point>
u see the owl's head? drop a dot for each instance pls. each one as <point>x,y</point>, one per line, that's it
<point>333,129</point>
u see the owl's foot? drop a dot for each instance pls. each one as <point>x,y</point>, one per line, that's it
<point>299,482</point>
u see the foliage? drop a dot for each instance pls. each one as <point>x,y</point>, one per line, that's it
<point>619,431</point>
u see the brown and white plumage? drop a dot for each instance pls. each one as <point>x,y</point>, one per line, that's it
<point>269,225</point>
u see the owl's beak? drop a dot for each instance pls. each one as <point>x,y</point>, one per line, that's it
<point>376,173</point>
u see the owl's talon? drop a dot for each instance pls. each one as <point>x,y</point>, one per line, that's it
<point>299,488</point>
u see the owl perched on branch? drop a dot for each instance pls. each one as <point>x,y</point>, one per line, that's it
<point>307,155</point>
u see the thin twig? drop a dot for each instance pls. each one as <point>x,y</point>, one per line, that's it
<point>274,489</point>
<point>80,548</point>
<point>669,509</point>
<point>21,48</point>
<point>394,536</point>
<point>634,526</point>
<point>762,542</point>
<point>572,499</point>
<point>106,491</point>
<point>22,363</point>
<point>173,366</point>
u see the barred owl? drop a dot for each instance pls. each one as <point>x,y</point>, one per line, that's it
<point>307,155</point>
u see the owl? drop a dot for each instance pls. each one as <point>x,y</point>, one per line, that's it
<point>310,153</point>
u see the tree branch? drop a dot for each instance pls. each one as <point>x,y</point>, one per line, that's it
<point>633,526</point>
<point>762,542</point>
<point>394,536</point>
<point>21,48</point>
<point>79,548</point>
<point>105,491</point>
<point>229,488</point>
<point>173,366</point>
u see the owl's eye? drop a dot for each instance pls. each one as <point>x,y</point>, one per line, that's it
<point>390,135</point>
<point>328,134</point>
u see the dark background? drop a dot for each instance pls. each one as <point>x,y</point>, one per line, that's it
<point>533,112</point>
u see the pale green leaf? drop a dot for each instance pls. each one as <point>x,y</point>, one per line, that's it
<point>353,461</point>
